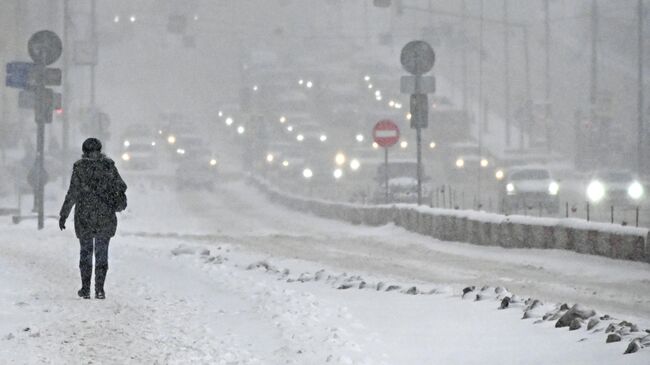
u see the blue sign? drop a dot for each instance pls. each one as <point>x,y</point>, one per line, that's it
<point>18,74</point>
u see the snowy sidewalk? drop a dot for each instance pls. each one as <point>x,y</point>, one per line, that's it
<point>181,290</point>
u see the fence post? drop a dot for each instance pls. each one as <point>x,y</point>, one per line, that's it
<point>566,207</point>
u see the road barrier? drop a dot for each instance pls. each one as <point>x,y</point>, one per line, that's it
<point>480,228</point>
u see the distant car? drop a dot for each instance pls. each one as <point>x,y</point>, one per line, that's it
<point>139,148</point>
<point>530,187</point>
<point>615,187</point>
<point>402,183</point>
<point>464,161</point>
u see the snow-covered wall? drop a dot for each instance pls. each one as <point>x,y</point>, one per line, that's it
<point>610,240</point>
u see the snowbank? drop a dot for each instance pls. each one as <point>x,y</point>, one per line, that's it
<point>481,228</point>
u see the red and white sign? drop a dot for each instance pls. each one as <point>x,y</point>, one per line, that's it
<point>385,133</point>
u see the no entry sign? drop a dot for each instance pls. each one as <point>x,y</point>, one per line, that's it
<point>385,133</point>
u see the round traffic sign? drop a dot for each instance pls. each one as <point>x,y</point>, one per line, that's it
<point>417,57</point>
<point>385,133</point>
<point>45,47</point>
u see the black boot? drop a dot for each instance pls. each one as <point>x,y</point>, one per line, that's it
<point>86,274</point>
<point>84,293</point>
<point>100,277</point>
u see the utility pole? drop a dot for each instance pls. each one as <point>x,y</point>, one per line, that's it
<point>65,98</point>
<point>93,39</point>
<point>547,73</point>
<point>464,55</point>
<point>594,75</point>
<point>528,118</point>
<point>506,64</point>
<point>480,103</point>
<point>641,130</point>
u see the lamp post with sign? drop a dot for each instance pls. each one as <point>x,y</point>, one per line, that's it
<point>417,58</point>
<point>44,48</point>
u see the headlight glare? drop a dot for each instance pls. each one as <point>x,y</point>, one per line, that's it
<point>635,190</point>
<point>595,191</point>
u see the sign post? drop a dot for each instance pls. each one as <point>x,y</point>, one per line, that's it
<point>44,48</point>
<point>417,58</point>
<point>386,134</point>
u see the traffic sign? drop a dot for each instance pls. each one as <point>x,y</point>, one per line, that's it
<point>417,84</point>
<point>45,47</point>
<point>385,133</point>
<point>417,57</point>
<point>26,100</point>
<point>18,74</point>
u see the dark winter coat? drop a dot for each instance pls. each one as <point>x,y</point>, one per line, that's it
<point>92,177</point>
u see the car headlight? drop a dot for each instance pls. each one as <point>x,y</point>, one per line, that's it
<point>553,188</point>
<point>499,175</point>
<point>127,143</point>
<point>635,190</point>
<point>510,188</point>
<point>460,163</point>
<point>213,162</point>
<point>339,159</point>
<point>595,191</point>
<point>126,157</point>
<point>355,164</point>
<point>307,173</point>
<point>338,173</point>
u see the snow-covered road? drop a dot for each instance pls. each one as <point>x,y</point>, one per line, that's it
<point>243,216</point>
<point>180,305</point>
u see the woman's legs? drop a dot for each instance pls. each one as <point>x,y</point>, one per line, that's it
<point>85,265</point>
<point>101,263</point>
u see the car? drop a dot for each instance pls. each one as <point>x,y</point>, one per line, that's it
<point>138,150</point>
<point>616,187</point>
<point>402,183</point>
<point>464,161</point>
<point>529,187</point>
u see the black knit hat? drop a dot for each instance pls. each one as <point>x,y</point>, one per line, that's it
<point>91,145</point>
